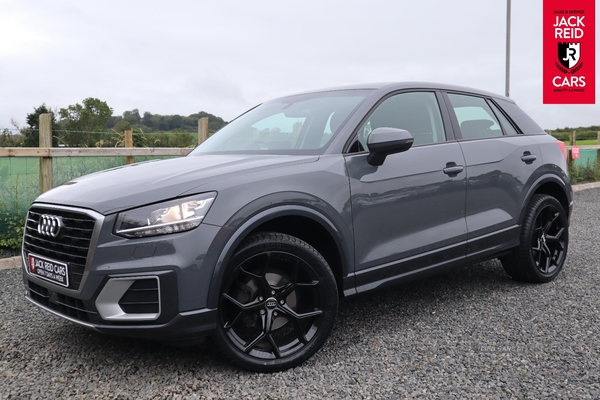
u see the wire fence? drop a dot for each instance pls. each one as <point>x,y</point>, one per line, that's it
<point>23,176</point>
<point>20,185</point>
<point>12,137</point>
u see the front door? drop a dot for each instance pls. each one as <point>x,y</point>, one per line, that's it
<point>409,213</point>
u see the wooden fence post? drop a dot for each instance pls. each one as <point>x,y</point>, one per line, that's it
<point>128,143</point>
<point>202,129</point>
<point>573,138</point>
<point>45,162</point>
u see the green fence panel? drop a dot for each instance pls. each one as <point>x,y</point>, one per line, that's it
<point>19,179</point>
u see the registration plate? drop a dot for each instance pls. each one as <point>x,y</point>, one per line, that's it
<point>50,270</point>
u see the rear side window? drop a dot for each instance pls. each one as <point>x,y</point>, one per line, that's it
<point>475,117</point>
<point>523,121</point>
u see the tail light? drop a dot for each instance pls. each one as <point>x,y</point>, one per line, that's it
<point>563,148</point>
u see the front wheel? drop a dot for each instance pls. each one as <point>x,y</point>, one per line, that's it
<point>543,242</point>
<point>277,305</point>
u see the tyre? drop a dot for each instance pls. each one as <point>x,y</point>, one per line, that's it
<point>543,244</point>
<point>277,305</point>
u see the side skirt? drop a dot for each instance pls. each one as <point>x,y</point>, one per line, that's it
<point>434,262</point>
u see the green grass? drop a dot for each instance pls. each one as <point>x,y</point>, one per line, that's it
<point>590,142</point>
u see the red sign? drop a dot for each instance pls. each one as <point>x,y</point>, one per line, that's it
<point>569,52</point>
<point>575,152</point>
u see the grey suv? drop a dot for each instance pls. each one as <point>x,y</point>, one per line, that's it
<point>258,233</point>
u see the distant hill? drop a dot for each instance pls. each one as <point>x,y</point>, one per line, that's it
<point>152,123</point>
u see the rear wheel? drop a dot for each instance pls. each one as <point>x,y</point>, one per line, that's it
<point>543,242</point>
<point>278,304</point>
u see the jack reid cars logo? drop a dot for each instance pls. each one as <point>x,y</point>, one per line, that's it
<point>49,225</point>
<point>568,55</point>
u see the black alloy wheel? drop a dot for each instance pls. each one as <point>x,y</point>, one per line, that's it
<point>278,304</point>
<point>543,242</point>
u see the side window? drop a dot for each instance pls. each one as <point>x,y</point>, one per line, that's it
<point>475,117</point>
<point>519,117</point>
<point>416,112</point>
<point>509,129</point>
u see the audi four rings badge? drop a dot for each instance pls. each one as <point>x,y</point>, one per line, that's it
<point>49,225</point>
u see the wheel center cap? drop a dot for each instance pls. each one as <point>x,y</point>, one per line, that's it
<point>271,303</point>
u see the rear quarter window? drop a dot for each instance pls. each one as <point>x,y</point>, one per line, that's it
<point>519,117</point>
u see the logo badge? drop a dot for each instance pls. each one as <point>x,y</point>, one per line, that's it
<point>271,303</point>
<point>49,225</point>
<point>569,51</point>
<point>569,54</point>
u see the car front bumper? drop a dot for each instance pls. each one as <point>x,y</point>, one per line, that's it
<point>185,327</point>
<point>151,288</point>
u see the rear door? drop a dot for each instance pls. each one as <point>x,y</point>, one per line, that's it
<point>500,161</point>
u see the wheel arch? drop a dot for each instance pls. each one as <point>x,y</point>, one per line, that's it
<point>312,232</point>
<point>553,186</point>
<point>305,223</point>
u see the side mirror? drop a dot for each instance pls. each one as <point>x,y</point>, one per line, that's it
<point>385,141</point>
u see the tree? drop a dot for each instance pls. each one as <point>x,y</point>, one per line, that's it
<point>81,121</point>
<point>113,121</point>
<point>122,126</point>
<point>133,116</point>
<point>7,139</point>
<point>147,120</point>
<point>175,122</point>
<point>32,134</point>
<point>92,116</point>
<point>214,123</point>
<point>163,123</point>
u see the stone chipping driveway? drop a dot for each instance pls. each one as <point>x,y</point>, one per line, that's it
<point>469,334</point>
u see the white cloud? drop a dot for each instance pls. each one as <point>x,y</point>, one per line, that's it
<point>223,57</point>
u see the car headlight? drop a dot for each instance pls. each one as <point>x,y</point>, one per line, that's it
<point>172,216</point>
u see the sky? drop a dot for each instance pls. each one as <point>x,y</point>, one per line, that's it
<point>226,56</point>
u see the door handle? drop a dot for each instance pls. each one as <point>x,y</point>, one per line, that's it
<point>453,169</point>
<point>528,158</point>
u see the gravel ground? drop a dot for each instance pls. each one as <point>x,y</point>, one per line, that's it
<point>472,333</point>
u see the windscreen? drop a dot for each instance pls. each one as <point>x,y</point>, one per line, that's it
<point>302,124</point>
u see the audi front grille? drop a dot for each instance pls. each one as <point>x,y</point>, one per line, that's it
<point>60,234</point>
